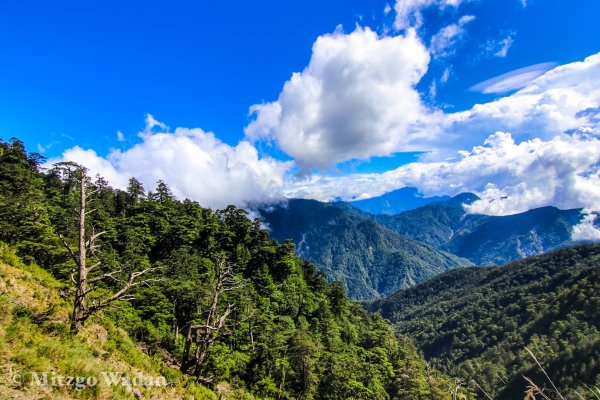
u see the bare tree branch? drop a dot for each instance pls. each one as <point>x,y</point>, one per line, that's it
<point>71,253</point>
<point>203,336</point>
<point>89,298</point>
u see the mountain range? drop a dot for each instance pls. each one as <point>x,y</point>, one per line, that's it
<point>371,260</point>
<point>485,239</point>
<point>475,323</point>
<point>377,254</point>
<point>396,201</point>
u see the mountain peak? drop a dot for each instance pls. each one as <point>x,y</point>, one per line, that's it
<point>463,198</point>
<point>348,245</point>
<point>397,201</point>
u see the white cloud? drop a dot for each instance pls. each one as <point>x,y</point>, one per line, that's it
<point>445,75</point>
<point>355,99</point>
<point>408,12</point>
<point>120,136</point>
<point>561,100</point>
<point>435,83</point>
<point>510,177</point>
<point>151,124</point>
<point>506,43</point>
<point>433,89</point>
<point>444,42</point>
<point>513,80</point>
<point>194,163</point>
<point>586,229</point>
<point>499,48</point>
<point>342,107</point>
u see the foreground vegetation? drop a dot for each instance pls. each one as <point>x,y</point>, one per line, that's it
<point>269,327</point>
<point>495,326</point>
<point>35,338</point>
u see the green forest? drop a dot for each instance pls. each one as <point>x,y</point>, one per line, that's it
<point>476,323</point>
<point>204,294</point>
<point>344,242</point>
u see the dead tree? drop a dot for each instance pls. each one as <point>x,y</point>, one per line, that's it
<point>203,336</point>
<point>86,277</point>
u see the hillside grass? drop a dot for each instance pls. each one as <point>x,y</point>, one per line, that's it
<point>35,338</point>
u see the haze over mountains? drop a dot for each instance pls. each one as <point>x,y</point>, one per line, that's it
<point>377,254</point>
<point>395,202</point>
<point>485,239</point>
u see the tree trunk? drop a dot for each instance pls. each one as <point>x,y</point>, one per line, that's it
<point>84,276</point>
<point>185,360</point>
<point>81,286</point>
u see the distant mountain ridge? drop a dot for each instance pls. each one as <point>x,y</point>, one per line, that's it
<point>395,202</point>
<point>346,244</point>
<point>484,239</point>
<point>375,255</point>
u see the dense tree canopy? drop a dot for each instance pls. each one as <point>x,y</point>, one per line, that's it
<point>477,322</point>
<point>288,333</point>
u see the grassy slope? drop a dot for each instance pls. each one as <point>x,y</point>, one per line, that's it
<point>34,337</point>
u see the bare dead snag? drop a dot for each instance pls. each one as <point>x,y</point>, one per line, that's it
<point>86,277</point>
<point>204,336</point>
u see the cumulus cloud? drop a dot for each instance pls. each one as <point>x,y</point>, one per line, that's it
<point>443,43</point>
<point>120,136</point>
<point>193,162</point>
<point>409,12</point>
<point>513,80</point>
<point>560,101</point>
<point>355,99</point>
<point>586,230</point>
<point>510,177</point>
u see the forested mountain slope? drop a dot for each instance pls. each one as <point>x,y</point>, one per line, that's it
<point>276,330</point>
<point>347,245</point>
<point>484,239</point>
<point>476,322</point>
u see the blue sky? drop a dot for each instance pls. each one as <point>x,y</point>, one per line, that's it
<point>76,73</point>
